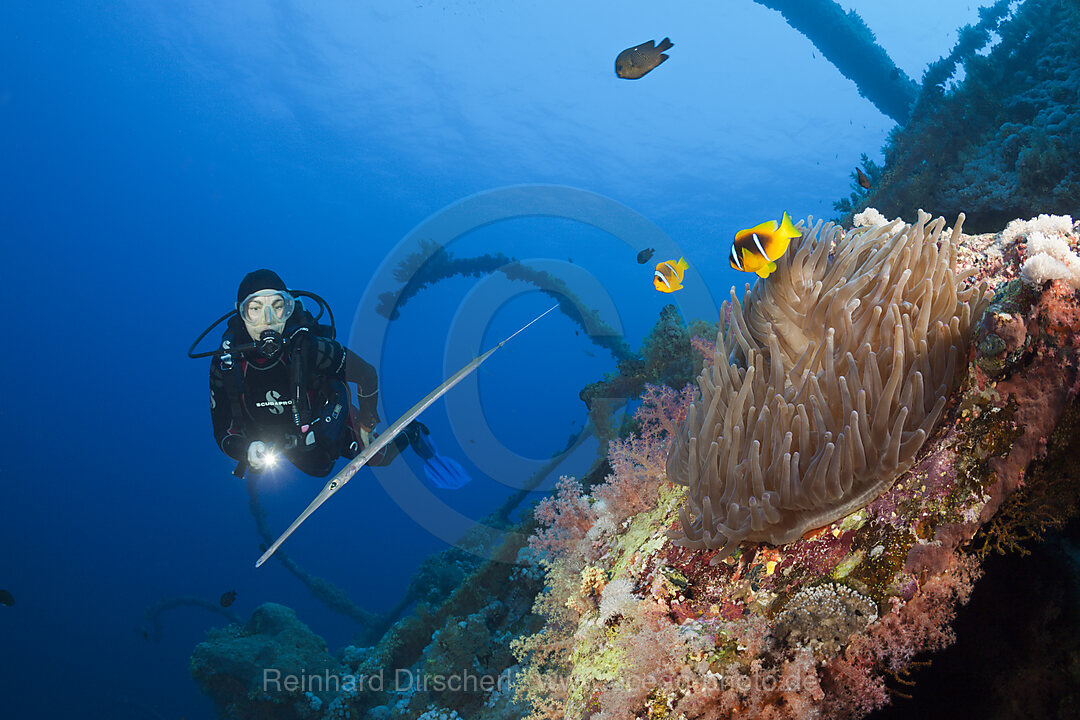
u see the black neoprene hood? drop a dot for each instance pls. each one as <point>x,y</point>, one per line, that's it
<point>259,280</point>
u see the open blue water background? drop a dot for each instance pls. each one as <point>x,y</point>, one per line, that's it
<point>151,153</point>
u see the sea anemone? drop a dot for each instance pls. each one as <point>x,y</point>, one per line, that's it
<point>840,365</point>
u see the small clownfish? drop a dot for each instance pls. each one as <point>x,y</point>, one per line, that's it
<point>757,249</point>
<point>669,274</point>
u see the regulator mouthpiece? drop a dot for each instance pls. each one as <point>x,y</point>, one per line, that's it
<point>270,344</point>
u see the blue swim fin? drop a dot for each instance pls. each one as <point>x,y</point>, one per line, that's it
<point>441,471</point>
<point>446,473</point>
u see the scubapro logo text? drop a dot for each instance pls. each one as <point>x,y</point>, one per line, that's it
<point>274,403</point>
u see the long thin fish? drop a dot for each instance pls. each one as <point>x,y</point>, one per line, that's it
<point>338,481</point>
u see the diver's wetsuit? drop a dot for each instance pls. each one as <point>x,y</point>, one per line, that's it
<point>264,395</point>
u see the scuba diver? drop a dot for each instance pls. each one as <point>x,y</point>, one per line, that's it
<point>278,387</point>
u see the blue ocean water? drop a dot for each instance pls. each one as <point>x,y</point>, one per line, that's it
<point>153,153</point>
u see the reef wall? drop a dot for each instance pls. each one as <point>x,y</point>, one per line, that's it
<point>995,131</point>
<point>833,624</point>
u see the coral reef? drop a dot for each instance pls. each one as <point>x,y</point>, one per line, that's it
<point>454,655</point>
<point>823,618</point>
<point>472,603</point>
<point>271,667</point>
<point>834,624</point>
<point>996,128</point>
<point>665,358</point>
<point>840,366</point>
<point>1050,255</point>
<point>587,609</point>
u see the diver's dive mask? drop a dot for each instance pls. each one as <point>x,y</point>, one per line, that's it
<point>264,314</point>
<point>266,310</point>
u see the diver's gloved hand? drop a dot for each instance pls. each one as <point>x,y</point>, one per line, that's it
<point>259,456</point>
<point>417,433</point>
<point>366,435</point>
<point>366,414</point>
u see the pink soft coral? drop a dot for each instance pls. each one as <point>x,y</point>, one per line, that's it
<point>563,519</point>
<point>662,410</point>
<point>637,463</point>
<point>853,681</point>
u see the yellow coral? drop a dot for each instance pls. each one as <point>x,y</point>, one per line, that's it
<point>593,580</point>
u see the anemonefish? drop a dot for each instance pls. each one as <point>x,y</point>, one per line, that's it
<point>757,249</point>
<point>668,275</point>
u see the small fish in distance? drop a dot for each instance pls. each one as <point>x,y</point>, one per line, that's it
<point>633,63</point>
<point>644,255</point>
<point>863,180</point>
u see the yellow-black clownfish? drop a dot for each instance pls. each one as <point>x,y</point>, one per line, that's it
<point>757,249</point>
<point>669,274</point>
